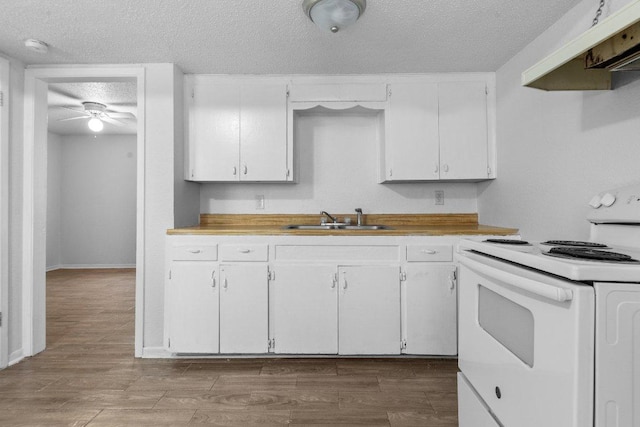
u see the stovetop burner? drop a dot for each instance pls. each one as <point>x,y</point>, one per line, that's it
<point>589,254</point>
<point>574,244</point>
<point>508,242</point>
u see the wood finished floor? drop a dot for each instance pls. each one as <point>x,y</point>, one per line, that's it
<point>88,376</point>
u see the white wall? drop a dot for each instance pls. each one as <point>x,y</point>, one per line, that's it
<point>16,136</point>
<point>186,194</point>
<point>54,208</point>
<point>557,149</point>
<point>97,200</point>
<point>337,162</point>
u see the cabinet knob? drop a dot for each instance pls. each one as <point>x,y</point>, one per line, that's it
<point>445,167</point>
<point>226,283</point>
<point>436,169</point>
<point>244,169</point>
<point>213,278</point>
<point>234,170</point>
<point>429,251</point>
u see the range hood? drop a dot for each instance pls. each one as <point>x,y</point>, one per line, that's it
<point>586,62</point>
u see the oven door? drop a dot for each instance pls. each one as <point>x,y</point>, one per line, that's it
<point>526,343</point>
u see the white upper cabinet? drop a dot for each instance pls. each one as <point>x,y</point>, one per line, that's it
<point>237,129</point>
<point>436,131</point>
<point>411,132</point>
<point>463,130</point>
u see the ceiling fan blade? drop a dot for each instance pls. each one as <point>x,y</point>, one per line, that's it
<point>72,108</point>
<point>121,115</point>
<point>108,119</point>
<point>72,118</point>
<point>57,96</point>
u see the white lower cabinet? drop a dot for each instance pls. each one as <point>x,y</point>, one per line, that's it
<point>192,305</point>
<point>329,309</point>
<point>244,302</point>
<point>369,309</point>
<point>430,309</point>
<point>292,295</point>
<point>305,309</point>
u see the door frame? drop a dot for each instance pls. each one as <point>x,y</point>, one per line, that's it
<point>34,210</point>
<point>5,68</point>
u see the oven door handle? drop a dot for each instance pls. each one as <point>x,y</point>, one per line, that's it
<point>551,292</point>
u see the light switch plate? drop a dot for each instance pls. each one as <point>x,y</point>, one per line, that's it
<point>439,197</point>
<point>260,202</point>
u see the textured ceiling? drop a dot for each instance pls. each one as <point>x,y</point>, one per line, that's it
<point>263,37</point>
<point>274,36</point>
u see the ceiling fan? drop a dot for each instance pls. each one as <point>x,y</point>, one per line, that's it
<point>97,113</point>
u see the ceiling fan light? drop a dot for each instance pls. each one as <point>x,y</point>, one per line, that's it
<point>95,124</point>
<point>332,15</point>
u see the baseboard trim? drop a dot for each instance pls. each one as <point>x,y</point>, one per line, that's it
<point>90,266</point>
<point>156,353</point>
<point>53,268</point>
<point>16,357</point>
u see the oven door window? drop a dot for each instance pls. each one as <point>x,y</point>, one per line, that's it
<point>517,333</point>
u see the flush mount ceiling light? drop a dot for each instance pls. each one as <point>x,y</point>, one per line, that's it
<point>36,46</point>
<point>95,110</point>
<point>332,15</point>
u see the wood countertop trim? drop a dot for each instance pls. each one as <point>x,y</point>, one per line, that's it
<point>403,225</point>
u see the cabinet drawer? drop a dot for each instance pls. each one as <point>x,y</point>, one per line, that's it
<point>244,252</point>
<point>426,253</point>
<point>195,252</point>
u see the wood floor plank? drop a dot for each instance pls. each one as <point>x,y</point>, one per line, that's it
<point>178,382</point>
<point>115,399</point>
<point>241,418</point>
<point>421,419</point>
<point>340,417</point>
<point>425,384</point>
<point>255,382</point>
<point>295,399</point>
<point>387,401</point>
<point>46,418</point>
<point>340,383</point>
<point>208,400</point>
<point>138,417</point>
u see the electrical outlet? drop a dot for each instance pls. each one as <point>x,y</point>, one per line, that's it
<point>260,202</point>
<point>439,197</point>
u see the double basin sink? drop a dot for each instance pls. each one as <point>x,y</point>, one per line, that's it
<point>336,226</point>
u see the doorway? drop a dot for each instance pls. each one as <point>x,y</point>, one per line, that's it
<point>37,83</point>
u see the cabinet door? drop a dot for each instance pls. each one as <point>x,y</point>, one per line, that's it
<point>369,310</point>
<point>305,305</point>
<point>463,130</point>
<point>411,139</point>
<point>263,132</point>
<point>429,305</point>
<point>214,131</point>
<point>244,308</point>
<point>193,307</point>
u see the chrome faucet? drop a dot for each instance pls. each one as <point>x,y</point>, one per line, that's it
<point>359,212</point>
<point>334,220</point>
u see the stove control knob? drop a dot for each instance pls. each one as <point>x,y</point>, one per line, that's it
<point>608,199</point>
<point>596,202</point>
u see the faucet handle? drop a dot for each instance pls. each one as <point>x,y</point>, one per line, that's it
<point>359,210</point>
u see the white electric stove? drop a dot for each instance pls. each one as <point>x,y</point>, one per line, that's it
<point>549,332</point>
